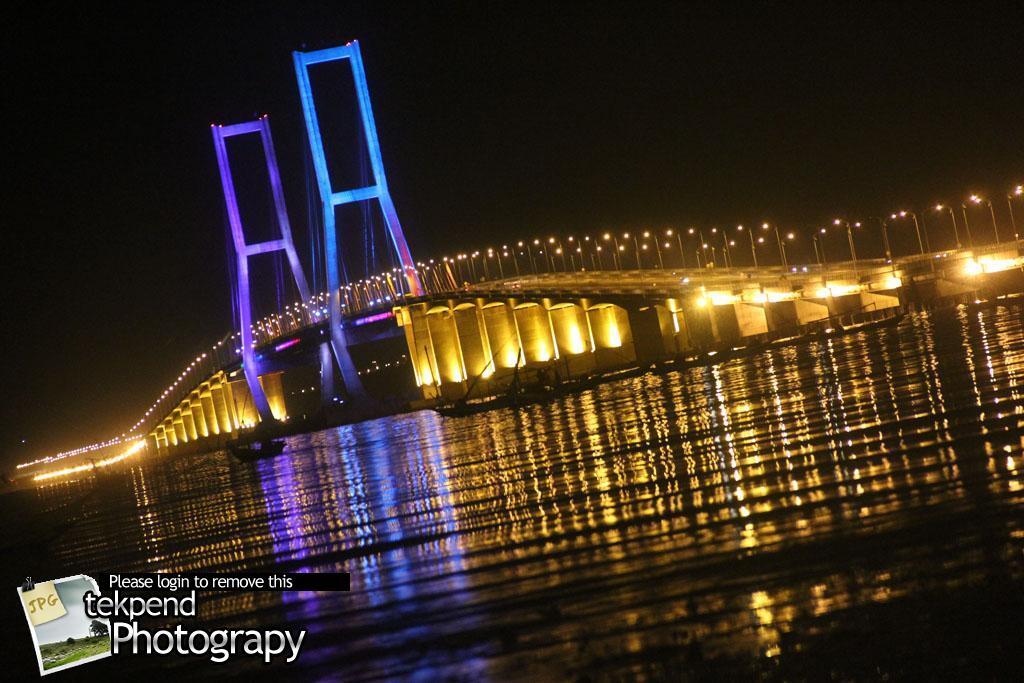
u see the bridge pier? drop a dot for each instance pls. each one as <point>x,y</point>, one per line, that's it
<point>198,415</point>
<point>751,318</point>
<point>790,314</point>
<point>572,338</point>
<point>502,334</point>
<point>160,437</point>
<point>651,329</point>
<point>612,334</point>
<point>697,321</point>
<point>170,431</point>
<point>326,375</point>
<point>209,413</point>
<point>220,405</point>
<point>535,333</point>
<point>472,342</point>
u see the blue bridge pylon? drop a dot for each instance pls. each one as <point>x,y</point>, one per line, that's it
<point>331,198</point>
<point>243,250</point>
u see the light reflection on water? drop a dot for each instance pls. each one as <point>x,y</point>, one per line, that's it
<point>760,516</point>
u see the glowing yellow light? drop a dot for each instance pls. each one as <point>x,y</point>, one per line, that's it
<point>575,339</point>
<point>721,298</point>
<point>774,296</point>
<point>987,264</point>
<point>132,450</point>
<point>893,282</point>
<point>614,336</point>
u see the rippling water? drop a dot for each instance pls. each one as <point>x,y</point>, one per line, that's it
<point>848,508</point>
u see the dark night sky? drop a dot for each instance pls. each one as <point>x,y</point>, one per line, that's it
<point>494,124</point>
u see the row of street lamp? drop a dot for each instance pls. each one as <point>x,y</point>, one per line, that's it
<point>712,247</point>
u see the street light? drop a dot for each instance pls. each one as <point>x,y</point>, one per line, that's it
<point>778,238</point>
<point>952,217</point>
<point>615,250</point>
<point>967,225</point>
<point>726,243</point>
<point>679,241</point>
<point>753,248</point>
<point>822,257</point>
<point>886,245</point>
<point>636,249</point>
<point>657,249</point>
<point>975,199</point>
<point>849,237</point>
<point>703,247</point>
<point>917,229</point>
<point>1017,192</point>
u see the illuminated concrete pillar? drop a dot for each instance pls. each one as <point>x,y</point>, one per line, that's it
<point>845,305</point>
<point>243,405</point>
<point>612,334</point>
<point>274,390</point>
<point>445,338</point>
<point>160,436</point>
<point>227,386</point>
<point>500,325</point>
<point>170,432</point>
<point>209,412</point>
<point>788,315</point>
<point>750,318</point>
<point>413,320</point>
<point>724,323</point>
<point>697,318</point>
<point>650,328</point>
<point>195,403</point>
<point>179,427</point>
<point>535,332</point>
<point>220,407</point>
<point>476,352</point>
<point>188,421</point>
<point>872,301</point>
<point>572,338</point>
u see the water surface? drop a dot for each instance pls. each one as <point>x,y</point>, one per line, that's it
<point>848,508</point>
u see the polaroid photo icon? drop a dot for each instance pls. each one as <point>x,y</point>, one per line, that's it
<point>63,635</point>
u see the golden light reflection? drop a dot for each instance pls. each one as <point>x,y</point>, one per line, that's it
<point>93,464</point>
<point>656,502</point>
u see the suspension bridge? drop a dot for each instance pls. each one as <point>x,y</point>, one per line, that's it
<point>418,332</point>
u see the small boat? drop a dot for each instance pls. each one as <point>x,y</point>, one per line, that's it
<point>256,450</point>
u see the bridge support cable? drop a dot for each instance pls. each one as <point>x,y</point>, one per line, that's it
<point>331,198</point>
<point>244,250</point>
